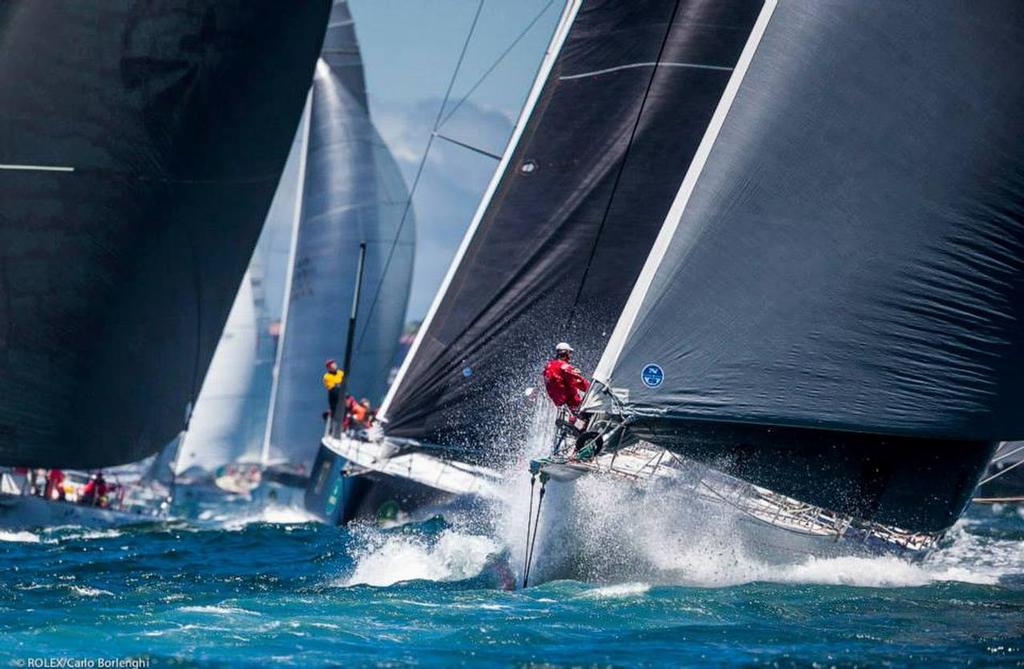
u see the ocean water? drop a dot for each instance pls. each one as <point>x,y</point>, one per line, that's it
<point>275,588</point>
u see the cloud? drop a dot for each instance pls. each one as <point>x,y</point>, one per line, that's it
<point>452,182</point>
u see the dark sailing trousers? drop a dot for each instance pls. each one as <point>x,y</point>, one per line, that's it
<point>333,399</point>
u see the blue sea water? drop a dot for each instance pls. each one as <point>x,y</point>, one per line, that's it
<point>274,588</point>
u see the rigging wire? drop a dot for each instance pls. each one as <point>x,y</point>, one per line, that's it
<point>422,164</point>
<point>496,63</point>
<point>622,166</point>
<point>1001,472</point>
<point>443,118</point>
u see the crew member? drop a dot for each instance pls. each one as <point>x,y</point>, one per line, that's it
<point>564,383</point>
<point>359,411</point>
<point>94,492</point>
<point>55,485</point>
<point>368,412</point>
<point>332,381</point>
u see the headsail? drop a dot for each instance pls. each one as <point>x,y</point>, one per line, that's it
<point>137,169</point>
<point>833,309</point>
<point>353,192</point>
<point>229,418</point>
<point>595,161</point>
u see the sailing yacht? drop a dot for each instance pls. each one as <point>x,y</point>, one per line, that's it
<point>221,456</point>
<point>614,117</point>
<point>824,330</point>
<point>353,194</point>
<point>135,175</point>
<point>828,318</point>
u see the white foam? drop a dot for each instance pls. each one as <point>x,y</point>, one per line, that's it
<point>20,537</point>
<point>275,515</point>
<point>86,591</point>
<point>600,529</point>
<point>109,533</point>
<point>220,610</point>
<point>620,591</point>
<point>389,559</point>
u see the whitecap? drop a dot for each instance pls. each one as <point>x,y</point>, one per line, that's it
<point>24,537</point>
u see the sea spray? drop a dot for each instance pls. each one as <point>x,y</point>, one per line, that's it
<point>606,529</point>
<point>384,557</point>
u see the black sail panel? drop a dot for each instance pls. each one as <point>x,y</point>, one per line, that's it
<point>142,143</point>
<point>353,193</point>
<point>850,263</point>
<point>562,239</point>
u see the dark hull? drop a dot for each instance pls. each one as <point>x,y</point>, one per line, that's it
<point>173,119</point>
<point>337,498</point>
<point>921,485</point>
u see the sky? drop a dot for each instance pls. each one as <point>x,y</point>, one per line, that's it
<point>410,50</point>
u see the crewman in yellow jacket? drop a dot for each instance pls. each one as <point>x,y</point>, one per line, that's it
<point>332,381</point>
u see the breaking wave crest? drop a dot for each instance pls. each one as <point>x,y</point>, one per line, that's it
<point>384,558</point>
<point>20,537</point>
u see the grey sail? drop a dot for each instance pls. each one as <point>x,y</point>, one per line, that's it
<point>141,144</point>
<point>556,248</point>
<point>833,309</point>
<point>353,192</point>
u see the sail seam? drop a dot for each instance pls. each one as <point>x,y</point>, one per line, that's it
<point>630,66</point>
<point>622,167</point>
<point>629,314</point>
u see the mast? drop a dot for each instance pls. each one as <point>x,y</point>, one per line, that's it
<point>353,313</point>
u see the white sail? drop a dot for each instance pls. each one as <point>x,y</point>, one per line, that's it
<point>217,430</point>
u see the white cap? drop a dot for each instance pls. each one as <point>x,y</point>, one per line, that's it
<point>563,346</point>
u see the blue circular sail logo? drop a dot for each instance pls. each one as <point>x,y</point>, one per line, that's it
<point>652,375</point>
<point>467,372</point>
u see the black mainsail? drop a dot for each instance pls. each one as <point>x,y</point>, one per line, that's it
<point>140,146</point>
<point>554,250</point>
<point>352,192</point>
<point>833,309</point>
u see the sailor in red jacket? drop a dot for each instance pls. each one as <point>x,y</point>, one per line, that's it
<point>564,383</point>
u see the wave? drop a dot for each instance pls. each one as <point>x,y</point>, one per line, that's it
<point>383,558</point>
<point>23,537</point>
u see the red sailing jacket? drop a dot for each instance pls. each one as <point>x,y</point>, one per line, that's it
<point>564,383</point>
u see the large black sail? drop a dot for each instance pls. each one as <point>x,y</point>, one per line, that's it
<point>561,241</point>
<point>141,143</point>
<point>834,310</point>
<point>353,192</point>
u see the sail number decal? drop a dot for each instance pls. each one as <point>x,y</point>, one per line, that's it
<point>652,375</point>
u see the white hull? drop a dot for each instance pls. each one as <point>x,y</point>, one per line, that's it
<point>26,512</point>
<point>387,458</point>
<point>771,527</point>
